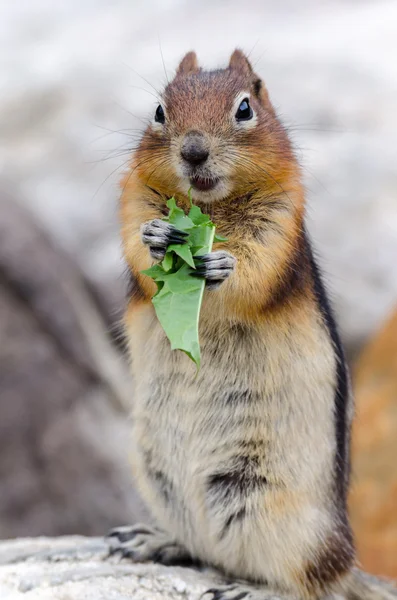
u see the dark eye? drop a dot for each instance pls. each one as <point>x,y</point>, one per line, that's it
<point>159,117</point>
<point>244,111</point>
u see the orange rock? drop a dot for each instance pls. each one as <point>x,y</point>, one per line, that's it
<point>373,498</point>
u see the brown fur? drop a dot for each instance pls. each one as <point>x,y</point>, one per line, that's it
<point>250,448</point>
<point>331,564</point>
<point>265,154</point>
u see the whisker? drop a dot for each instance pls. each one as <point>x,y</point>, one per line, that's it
<point>253,164</point>
<point>130,175</point>
<point>111,157</point>
<point>144,121</point>
<point>255,63</point>
<point>303,128</point>
<point>115,132</point>
<point>162,58</point>
<point>160,163</point>
<point>128,148</point>
<point>145,80</point>
<point>109,176</point>
<point>253,47</point>
<point>137,87</point>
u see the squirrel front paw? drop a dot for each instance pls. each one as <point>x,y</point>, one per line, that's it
<point>215,267</point>
<point>158,235</point>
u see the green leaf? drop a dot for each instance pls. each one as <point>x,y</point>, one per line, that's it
<point>154,272</point>
<point>178,299</point>
<point>219,238</point>
<point>199,237</point>
<point>182,332</point>
<point>168,260</point>
<point>177,216</point>
<point>183,250</point>
<point>197,216</point>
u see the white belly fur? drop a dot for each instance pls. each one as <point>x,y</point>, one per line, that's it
<point>190,426</point>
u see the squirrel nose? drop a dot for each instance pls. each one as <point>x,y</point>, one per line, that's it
<point>194,148</point>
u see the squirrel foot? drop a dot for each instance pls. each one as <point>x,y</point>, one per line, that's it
<point>215,267</point>
<point>142,543</point>
<point>158,235</point>
<point>242,591</point>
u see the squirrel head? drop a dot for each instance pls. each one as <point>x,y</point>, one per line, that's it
<point>214,132</point>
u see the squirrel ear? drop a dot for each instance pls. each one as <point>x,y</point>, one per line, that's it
<point>260,92</point>
<point>239,62</point>
<point>188,64</point>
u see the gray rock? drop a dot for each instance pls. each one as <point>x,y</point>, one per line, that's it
<point>78,568</point>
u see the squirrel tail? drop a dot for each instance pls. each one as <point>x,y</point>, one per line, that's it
<point>362,586</point>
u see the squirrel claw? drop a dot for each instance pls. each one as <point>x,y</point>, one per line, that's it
<point>141,543</point>
<point>238,592</point>
<point>214,267</point>
<point>158,235</point>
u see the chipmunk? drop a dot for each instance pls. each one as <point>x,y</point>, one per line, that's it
<point>245,464</point>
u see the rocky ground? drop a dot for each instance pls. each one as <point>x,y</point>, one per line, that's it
<point>77,568</point>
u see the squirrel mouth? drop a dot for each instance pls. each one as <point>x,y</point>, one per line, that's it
<point>204,184</point>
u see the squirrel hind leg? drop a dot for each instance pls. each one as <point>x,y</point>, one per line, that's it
<point>142,543</point>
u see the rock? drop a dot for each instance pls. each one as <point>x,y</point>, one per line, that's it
<point>63,433</point>
<point>373,499</point>
<point>77,568</point>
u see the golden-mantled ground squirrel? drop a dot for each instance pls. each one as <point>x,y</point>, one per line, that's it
<point>244,465</point>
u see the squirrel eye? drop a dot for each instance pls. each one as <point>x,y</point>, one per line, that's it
<point>159,117</point>
<point>244,111</point>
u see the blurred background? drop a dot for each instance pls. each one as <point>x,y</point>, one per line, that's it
<point>77,80</point>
